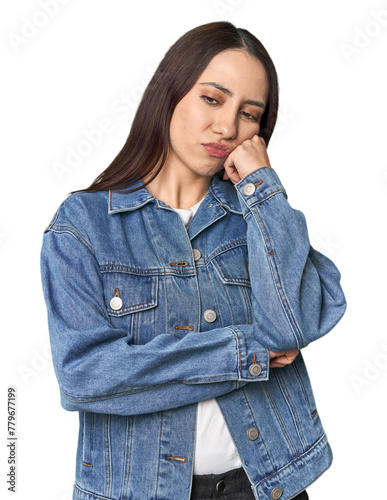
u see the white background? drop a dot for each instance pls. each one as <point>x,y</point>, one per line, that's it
<point>328,149</point>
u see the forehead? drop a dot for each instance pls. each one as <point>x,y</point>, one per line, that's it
<point>239,72</point>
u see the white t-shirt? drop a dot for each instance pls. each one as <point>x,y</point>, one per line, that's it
<point>215,451</point>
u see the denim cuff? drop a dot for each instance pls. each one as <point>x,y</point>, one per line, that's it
<point>257,186</point>
<point>253,357</point>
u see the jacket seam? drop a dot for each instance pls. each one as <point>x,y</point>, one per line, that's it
<point>224,204</point>
<point>89,493</point>
<point>293,410</point>
<point>225,248</point>
<point>227,279</point>
<point>128,449</point>
<point>266,197</point>
<point>247,305</point>
<point>215,299</point>
<point>229,302</point>
<point>90,399</point>
<point>295,369</point>
<point>239,352</point>
<point>158,464</point>
<point>108,460</point>
<point>213,378</point>
<point>280,421</point>
<point>257,426</point>
<point>299,457</point>
<point>70,230</point>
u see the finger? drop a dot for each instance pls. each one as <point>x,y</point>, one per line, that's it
<point>228,162</point>
<point>232,173</point>
<point>275,354</point>
<point>283,360</point>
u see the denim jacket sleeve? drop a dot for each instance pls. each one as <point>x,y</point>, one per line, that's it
<point>296,290</point>
<point>296,297</point>
<point>100,369</point>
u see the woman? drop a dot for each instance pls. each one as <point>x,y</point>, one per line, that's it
<point>180,287</point>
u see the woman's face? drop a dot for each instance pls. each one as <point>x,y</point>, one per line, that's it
<point>223,109</point>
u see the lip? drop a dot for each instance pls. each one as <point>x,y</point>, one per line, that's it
<point>217,150</point>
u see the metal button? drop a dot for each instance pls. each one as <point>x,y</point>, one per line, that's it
<point>249,188</point>
<point>116,303</point>
<point>196,254</point>
<point>255,369</point>
<point>252,433</point>
<point>210,315</point>
<point>276,493</point>
<point>220,486</point>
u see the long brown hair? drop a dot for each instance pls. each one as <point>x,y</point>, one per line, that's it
<point>148,142</point>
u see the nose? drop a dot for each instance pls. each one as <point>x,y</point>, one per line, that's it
<point>226,123</point>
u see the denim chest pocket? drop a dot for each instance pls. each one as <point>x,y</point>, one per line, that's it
<point>232,266</point>
<point>232,284</point>
<point>131,299</point>
<point>127,293</point>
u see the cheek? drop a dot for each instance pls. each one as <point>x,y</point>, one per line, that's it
<point>193,115</point>
<point>189,121</point>
<point>181,122</point>
<point>248,132</point>
<point>177,130</point>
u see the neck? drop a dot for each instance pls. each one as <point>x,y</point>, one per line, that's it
<point>179,191</point>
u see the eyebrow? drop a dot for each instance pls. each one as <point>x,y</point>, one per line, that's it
<point>259,104</point>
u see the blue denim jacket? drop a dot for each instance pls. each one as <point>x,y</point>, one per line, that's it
<point>146,318</point>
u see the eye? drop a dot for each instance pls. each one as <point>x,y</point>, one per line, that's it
<point>250,117</point>
<point>209,100</point>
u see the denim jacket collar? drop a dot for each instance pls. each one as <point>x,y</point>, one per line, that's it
<point>220,193</point>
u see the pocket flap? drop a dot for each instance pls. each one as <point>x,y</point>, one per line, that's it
<point>136,292</point>
<point>232,266</point>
